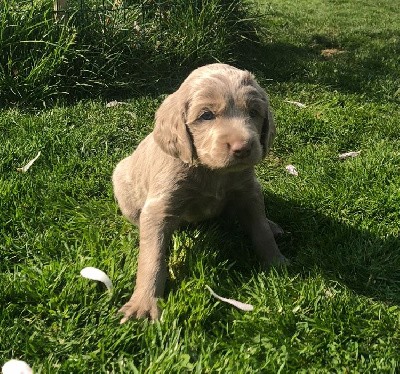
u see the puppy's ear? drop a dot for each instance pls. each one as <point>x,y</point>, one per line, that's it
<point>170,130</point>
<point>268,131</point>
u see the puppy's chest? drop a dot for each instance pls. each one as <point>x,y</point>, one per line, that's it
<point>201,204</point>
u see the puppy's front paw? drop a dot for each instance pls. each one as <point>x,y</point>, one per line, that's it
<point>140,306</point>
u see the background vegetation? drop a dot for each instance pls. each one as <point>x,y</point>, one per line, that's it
<point>104,47</point>
<point>334,309</point>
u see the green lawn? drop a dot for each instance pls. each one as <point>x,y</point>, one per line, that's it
<point>334,309</point>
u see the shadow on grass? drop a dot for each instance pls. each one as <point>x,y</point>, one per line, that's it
<point>281,62</point>
<point>350,68</point>
<point>360,260</point>
<point>367,264</point>
<point>354,69</point>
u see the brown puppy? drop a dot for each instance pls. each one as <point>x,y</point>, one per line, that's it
<point>196,163</point>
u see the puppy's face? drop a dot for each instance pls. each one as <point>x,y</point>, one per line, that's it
<point>218,118</point>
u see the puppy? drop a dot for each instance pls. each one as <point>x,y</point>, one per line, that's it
<point>197,163</point>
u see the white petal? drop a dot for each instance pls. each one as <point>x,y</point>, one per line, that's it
<point>237,304</point>
<point>297,103</point>
<point>16,367</point>
<point>343,156</point>
<point>97,275</point>
<point>291,169</point>
<point>25,168</point>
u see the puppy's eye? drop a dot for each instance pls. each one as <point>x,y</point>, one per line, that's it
<point>253,113</point>
<point>207,116</point>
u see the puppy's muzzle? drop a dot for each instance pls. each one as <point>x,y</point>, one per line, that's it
<point>240,149</point>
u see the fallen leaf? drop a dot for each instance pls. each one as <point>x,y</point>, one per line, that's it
<point>318,115</point>
<point>237,304</point>
<point>25,168</point>
<point>343,156</point>
<point>97,275</point>
<point>291,169</point>
<point>330,52</point>
<point>115,103</point>
<point>16,367</point>
<point>297,103</point>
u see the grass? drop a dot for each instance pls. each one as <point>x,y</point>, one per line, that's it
<point>101,47</point>
<point>334,309</point>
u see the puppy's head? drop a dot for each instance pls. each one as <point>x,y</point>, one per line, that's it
<point>219,118</point>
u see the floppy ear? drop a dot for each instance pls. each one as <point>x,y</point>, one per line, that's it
<point>170,130</point>
<point>268,131</point>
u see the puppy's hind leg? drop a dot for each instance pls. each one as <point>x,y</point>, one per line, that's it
<point>129,204</point>
<point>275,228</point>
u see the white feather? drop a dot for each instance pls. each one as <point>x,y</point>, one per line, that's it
<point>297,103</point>
<point>97,275</point>
<point>16,367</point>
<point>237,304</point>
<point>343,156</point>
<point>25,168</point>
<point>291,169</point>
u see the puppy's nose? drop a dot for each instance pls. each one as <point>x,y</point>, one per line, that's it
<point>240,149</point>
